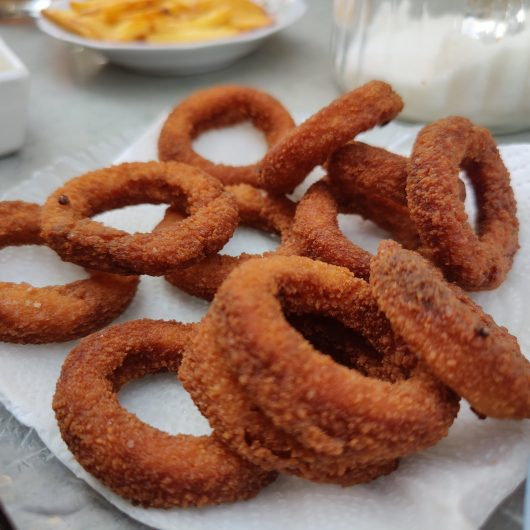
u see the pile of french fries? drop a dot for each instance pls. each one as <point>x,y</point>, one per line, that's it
<point>159,21</point>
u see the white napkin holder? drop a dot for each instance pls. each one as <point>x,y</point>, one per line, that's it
<point>14,100</point>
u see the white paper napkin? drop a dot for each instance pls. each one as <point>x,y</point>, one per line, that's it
<point>455,484</point>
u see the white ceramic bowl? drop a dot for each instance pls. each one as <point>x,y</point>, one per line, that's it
<point>183,59</point>
<point>14,99</point>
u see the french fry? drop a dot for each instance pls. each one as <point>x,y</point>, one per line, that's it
<point>214,20</point>
<point>122,10</point>
<point>90,28</point>
<point>247,22</point>
<point>151,15</point>
<point>130,30</point>
<point>192,35</point>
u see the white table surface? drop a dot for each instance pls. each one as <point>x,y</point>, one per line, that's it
<point>76,102</point>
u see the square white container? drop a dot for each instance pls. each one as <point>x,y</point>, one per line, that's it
<point>14,100</point>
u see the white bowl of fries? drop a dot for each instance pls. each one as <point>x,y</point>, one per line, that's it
<point>171,37</point>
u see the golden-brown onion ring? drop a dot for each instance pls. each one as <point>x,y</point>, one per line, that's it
<point>68,229</point>
<point>474,260</point>
<point>220,107</point>
<point>289,161</point>
<point>19,223</point>
<point>316,233</point>
<point>239,422</point>
<point>137,461</point>
<point>464,347</point>
<point>371,181</point>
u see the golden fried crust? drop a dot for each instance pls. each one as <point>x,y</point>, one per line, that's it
<point>57,313</point>
<point>325,406</point>
<point>289,161</point>
<point>350,349</point>
<point>475,261</point>
<point>317,235</point>
<point>220,107</point>
<point>19,223</point>
<point>68,229</point>
<point>371,182</point>
<point>241,424</point>
<point>137,461</point>
<point>464,347</point>
<point>257,209</point>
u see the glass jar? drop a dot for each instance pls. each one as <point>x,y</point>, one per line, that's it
<point>457,57</point>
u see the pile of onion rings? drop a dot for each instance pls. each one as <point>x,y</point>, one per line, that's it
<point>371,181</point>
<point>257,209</point>
<point>297,404</point>
<point>319,359</point>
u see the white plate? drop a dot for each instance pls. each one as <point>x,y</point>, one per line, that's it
<point>453,485</point>
<point>182,59</point>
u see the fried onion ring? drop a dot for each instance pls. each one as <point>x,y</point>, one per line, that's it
<point>59,313</point>
<point>371,182</point>
<point>475,261</point>
<point>220,107</point>
<point>67,229</point>
<point>136,460</point>
<point>316,233</point>
<point>289,161</point>
<point>257,209</point>
<point>324,406</point>
<point>464,347</point>
<point>239,423</point>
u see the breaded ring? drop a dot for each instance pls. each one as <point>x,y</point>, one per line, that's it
<point>240,423</point>
<point>59,313</point>
<point>326,407</point>
<point>475,261</point>
<point>371,181</point>
<point>257,209</point>
<point>220,107</point>
<point>137,461</point>
<point>289,161</point>
<point>68,229</point>
<point>464,347</point>
<point>316,233</point>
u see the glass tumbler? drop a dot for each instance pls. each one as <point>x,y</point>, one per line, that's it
<point>457,57</point>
